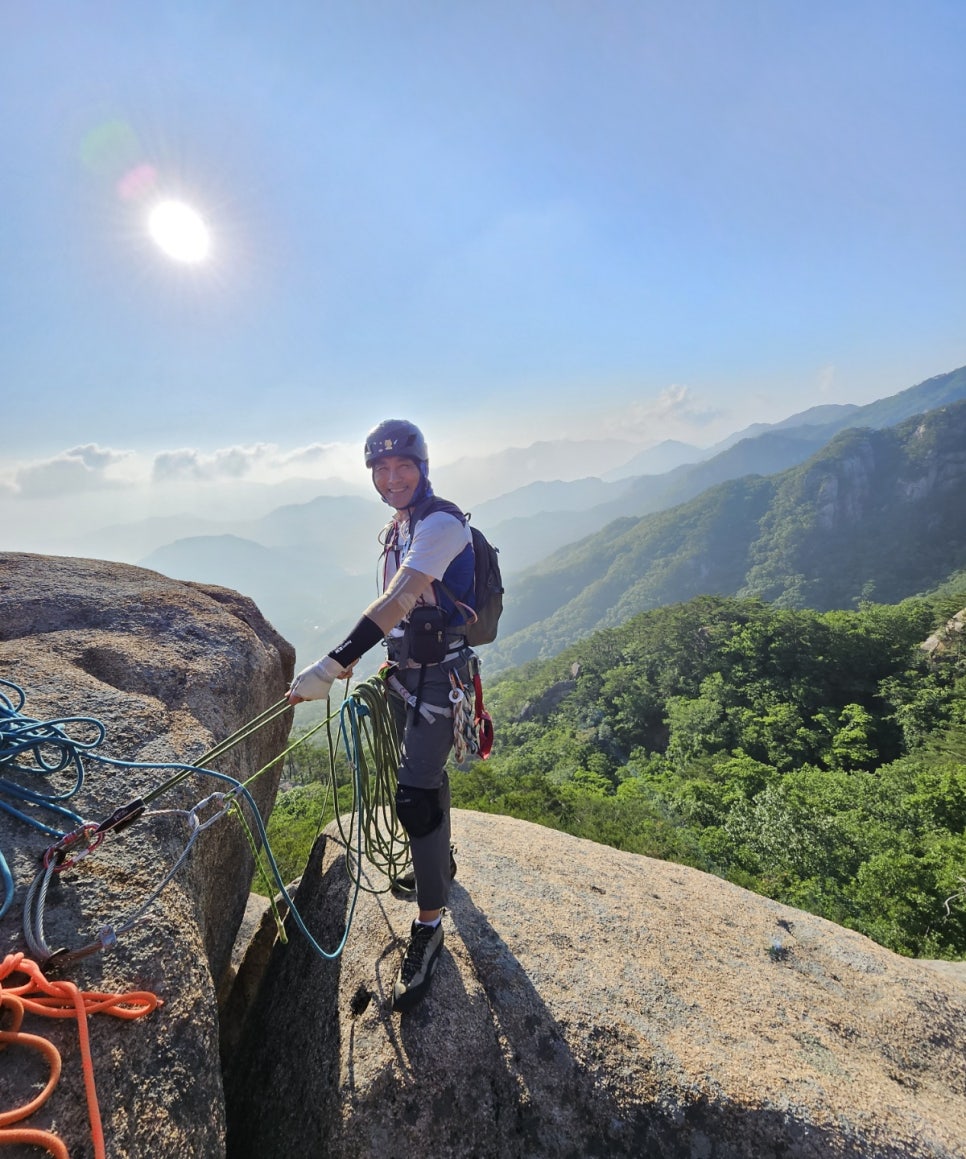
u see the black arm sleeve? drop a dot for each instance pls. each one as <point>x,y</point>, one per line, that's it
<point>365,635</point>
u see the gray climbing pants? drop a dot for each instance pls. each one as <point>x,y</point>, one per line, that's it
<point>423,797</point>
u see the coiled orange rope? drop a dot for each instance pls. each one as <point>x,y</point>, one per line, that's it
<point>57,999</point>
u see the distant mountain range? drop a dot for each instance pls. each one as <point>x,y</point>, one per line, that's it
<point>532,533</point>
<point>311,565</point>
<point>875,514</point>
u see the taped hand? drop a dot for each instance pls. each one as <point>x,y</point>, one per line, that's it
<point>314,682</point>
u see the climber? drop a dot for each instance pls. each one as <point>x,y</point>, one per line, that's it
<point>427,573</point>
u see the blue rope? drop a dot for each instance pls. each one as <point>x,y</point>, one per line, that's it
<point>38,748</point>
<point>52,750</point>
<point>6,878</point>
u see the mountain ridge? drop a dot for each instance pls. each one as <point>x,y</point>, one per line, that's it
<point>873,512</point>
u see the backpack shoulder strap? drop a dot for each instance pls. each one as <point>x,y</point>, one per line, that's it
<point>430,506</point>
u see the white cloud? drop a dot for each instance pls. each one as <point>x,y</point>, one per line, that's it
<point>82,468</point>
<point>262,462</point>
<point>86,489</point>
<point>198,466</point>
<point>322,459</point>
<point>674,413</point>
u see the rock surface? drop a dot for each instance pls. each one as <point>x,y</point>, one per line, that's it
<point>590,1002</point>
<point>170,669</point>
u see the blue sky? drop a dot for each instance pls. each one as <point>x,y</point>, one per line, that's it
<point>510,221</point>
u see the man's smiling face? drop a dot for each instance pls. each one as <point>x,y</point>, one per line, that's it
<point>396,479</point>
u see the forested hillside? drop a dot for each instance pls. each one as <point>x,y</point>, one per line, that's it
<point>817,758</point>
<point>873,514</point>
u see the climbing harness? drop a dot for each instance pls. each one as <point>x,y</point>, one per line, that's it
<point>428,712</point>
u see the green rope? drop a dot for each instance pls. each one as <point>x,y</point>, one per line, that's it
<point>367,731</point>
<point>367,736</point>
<point>263,873</point>
<point>279,708</point>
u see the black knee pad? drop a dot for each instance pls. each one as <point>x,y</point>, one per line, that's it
<point>418,810</point>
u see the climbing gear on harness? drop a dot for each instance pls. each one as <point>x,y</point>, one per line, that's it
<point>481,718</point>
<point>472,724</point>
<point>464,732</point>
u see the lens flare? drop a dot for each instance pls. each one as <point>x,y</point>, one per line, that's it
<point>137,183</point>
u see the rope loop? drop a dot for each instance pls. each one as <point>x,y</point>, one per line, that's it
<point>58,999</point>
<point>35,746</point>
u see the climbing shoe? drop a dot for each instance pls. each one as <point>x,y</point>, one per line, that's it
<point>412,981</point>
<point>405,886</point>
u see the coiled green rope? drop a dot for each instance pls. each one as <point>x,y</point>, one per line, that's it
<point>368,734</point>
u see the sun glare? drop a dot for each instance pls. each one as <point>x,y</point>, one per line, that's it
<point>180,232</point>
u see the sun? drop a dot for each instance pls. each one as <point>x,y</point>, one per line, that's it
<point>180,232</point>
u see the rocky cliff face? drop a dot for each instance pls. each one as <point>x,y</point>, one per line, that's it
<point>878,472</point>
<point>169,669</point>
<point>876,514</point>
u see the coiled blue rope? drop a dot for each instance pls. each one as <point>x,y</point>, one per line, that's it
<point>35,749</point>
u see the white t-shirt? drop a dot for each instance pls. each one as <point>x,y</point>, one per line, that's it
<point>439,539</point>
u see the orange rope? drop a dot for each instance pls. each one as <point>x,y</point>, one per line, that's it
<point>58,1000</point>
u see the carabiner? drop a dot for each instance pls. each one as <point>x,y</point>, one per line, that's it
<point>57,853</point>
